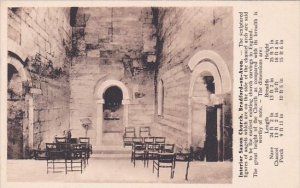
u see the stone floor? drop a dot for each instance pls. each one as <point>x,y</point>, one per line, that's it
<point>119,171</point>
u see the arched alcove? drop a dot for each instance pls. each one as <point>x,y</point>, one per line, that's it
<point>19,107</point>
<point>210,80</point>
<point>104,91</point>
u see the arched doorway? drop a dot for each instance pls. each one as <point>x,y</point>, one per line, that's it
<point>19,109</point>
<point>112,116</point>
<point>210,80</point>
<point>112,96</point>
<point>15,114</point>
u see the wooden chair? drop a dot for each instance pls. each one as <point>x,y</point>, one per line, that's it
<point>138,152</point>
<point>151,152</point>
<point>56,154</point>
<point>164,160</point>
<point>144,132</point>
<point>89,148</point>
<point>135,141</point>
<point>128,135</point>
<point>76,155</point>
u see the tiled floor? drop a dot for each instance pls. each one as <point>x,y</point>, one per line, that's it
<point>119,171</point>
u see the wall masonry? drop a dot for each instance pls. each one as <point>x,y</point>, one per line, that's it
<point>182,32</point>
<point>43,36</point>
<point>113,44</point>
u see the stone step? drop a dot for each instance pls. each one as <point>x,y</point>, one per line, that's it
<point>111,156</point>
<point>111,152</point>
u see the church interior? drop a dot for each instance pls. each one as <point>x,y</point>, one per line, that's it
<point>103,73</point>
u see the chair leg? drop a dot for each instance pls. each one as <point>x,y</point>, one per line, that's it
<point>172,172</point>
<point>66,166</point>
<point>147,161</point>
<point>134,160</point>
<point>153,167</point>
<point>157,170</point>
<point>71,165</point>
<point>81,166</point>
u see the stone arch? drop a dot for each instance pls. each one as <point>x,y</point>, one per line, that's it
<point>18,63</point>
<point>16,49</point>
<point>108,83</point>
<point>207,63</point>
<point>220,65</point>
<point>100,90</point>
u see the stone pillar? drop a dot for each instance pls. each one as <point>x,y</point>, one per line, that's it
<point>219,132</point>
<point>99,125</point>
<point>29,100</point>
<point>126,103</point>
<point>198,121</point>
<point>190,121</point>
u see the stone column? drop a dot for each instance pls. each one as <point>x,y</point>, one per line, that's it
<point>217,101</point>
<point>29,100</point>
<point>99,125</point>
<point>190,121</point>
<point>219,132</point>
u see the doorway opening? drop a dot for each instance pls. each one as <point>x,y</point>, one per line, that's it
<point>112,116</point>
<point>15,114</point>
<point>211,139</point>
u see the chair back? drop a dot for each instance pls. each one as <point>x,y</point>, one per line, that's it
<point>60,140</point>
<point>166,158</point>
<point>167,148</point>
<point>77,151</point>
<point>55,150</point>
<point>139,147</point>
<point>149,140</point>
<point>84,140</point>
<point>129,132</point>
<point>144,132</point>
<point>137,140</point>
<point>160,140</point>
<point>51,146</point>
<point>153,148</point>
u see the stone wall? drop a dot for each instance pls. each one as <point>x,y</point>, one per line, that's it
<point>41,39</point>
<point>181,33</point>
<point>112,44</point>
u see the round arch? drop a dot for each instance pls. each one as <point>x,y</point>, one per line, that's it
<point>109,83</point>
<point>100,90</point>
<point>202,63</point>
<point>15,61</point>
<point>215,59</point>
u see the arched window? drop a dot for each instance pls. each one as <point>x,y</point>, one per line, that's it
<point>160,98</point>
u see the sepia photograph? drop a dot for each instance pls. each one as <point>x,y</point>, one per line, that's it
<point>120,94</point>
